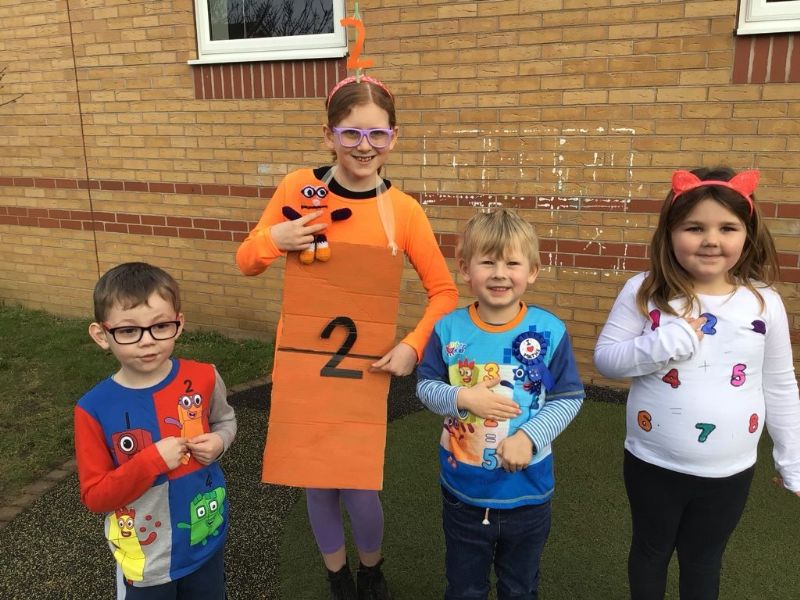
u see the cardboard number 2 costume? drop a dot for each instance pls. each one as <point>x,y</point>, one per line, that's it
<point>327,423</point>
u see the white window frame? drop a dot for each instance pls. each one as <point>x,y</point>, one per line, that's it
<point>760,16</point>
<point>297,47</point>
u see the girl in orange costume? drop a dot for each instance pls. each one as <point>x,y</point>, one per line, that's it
<point>361,130</point>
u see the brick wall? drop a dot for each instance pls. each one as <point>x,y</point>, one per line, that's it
<point>575,112</point>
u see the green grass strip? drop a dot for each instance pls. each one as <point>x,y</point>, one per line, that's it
<point>47,363</point>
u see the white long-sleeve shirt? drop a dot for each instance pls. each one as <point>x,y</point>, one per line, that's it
<point>699,406</point>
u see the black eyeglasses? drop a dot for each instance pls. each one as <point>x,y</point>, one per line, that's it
<point>132,334</point>
<point>350,137</point>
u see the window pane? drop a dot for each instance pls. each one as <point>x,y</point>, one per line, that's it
<point>243,19</point>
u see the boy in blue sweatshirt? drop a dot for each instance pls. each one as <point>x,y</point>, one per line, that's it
<point>503,375</point>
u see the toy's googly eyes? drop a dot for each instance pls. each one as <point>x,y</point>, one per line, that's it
<point>322,192</point>
<point>185,402</point>
<point>127,444</point>
<point>197,399</point>
<point>309,191</point>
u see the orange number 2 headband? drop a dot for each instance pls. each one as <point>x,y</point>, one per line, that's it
<point>354,60</point>
<point>744,183</point>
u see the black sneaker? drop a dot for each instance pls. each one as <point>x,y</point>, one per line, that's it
<point>342,585</point>
<point>372,583</point>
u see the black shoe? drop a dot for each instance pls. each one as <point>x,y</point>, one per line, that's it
<point>372,583</point>
<point>342,585</point>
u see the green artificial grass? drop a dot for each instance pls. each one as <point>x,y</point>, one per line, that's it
<point>586,554</point>
<point>47,363</point>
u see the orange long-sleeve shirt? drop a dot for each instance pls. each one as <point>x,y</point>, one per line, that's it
<point>413,235</point>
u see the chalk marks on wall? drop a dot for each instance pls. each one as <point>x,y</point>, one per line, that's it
<point>564,162</point>
<point>542,167</point>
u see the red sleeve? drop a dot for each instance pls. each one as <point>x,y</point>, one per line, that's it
<point>104,486</point>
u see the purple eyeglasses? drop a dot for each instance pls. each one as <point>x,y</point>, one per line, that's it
<point>350,137</point>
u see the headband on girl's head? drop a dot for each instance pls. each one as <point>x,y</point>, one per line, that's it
<point>354,78</point>
<point>744,183</point>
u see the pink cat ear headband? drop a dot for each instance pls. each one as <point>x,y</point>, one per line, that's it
<point>744,183</point>
<point>355,78</point>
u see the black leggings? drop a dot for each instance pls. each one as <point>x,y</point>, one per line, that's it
<point>695,515</point>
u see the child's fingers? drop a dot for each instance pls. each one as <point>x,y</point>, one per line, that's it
<point>308,228</point>
<point>502,413</point>
<point>777,481</point>
<point>382,360</point>
<point>309,217</point>
<point>379,365</point>
<point>697,324</point>
<point>504,408</point>
<point>507,402</point>
<point>511,467</point>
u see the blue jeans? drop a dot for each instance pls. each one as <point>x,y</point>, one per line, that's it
<point>206,583</point>
<point>512,541</point>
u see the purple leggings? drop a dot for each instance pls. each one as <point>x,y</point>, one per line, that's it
<point>366,518</point>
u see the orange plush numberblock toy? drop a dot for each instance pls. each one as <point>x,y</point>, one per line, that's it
<point>313,200</point>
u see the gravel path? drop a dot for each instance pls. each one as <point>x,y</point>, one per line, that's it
<point>56,549</point>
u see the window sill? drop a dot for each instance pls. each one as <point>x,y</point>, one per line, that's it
<point>242,57</point>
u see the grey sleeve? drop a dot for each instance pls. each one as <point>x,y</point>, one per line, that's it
<point>222,418</point>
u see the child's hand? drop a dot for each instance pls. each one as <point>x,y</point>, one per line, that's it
<point>289,236</point>
<point>482,402</point>
<point>777,481</point>
<point>172,449</point>
<point>697,325</point>
<point>516,452</point>
<point>206,447</point>
<point>399,361</point>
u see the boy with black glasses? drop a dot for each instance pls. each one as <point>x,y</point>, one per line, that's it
<point>147,440</point>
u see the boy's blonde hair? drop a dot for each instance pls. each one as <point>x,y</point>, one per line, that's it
<point>130,285</point>
<point>496,233</point>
